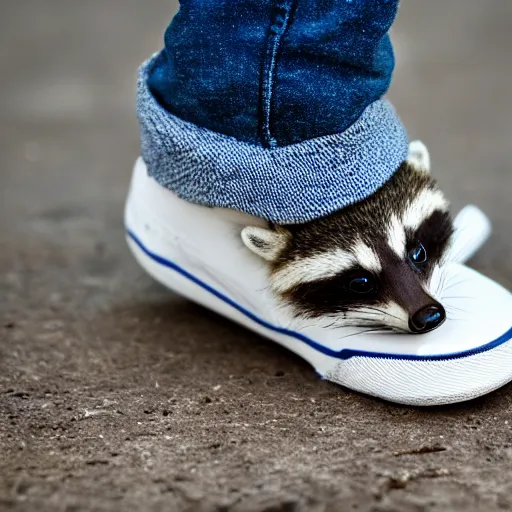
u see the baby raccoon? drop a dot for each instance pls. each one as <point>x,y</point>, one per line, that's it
<point>369,263</point>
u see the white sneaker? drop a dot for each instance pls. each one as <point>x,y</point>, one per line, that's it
<point>198,252</point>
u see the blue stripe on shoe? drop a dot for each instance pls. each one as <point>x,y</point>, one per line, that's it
<point>345,353</point>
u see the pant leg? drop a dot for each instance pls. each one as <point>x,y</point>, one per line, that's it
<point>275,72</point>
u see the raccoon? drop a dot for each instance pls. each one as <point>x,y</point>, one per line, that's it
<point>368,264</point>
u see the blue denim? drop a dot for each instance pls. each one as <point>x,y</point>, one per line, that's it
<point>288,184</point>
<point>272,107</point>
<point>275,72</point>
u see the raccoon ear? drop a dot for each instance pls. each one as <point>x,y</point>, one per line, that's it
<point>418,156</point>
<point>265,242</point>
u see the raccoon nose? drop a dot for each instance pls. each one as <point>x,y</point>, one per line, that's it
<point>427,318</point>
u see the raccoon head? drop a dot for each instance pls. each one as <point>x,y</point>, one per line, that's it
<point>369,263</point>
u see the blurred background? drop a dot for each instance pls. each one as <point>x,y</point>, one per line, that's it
<point>84,330</point>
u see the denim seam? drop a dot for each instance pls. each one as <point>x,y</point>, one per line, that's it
<point>281,14</point>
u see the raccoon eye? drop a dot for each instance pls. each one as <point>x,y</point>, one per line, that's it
<point>418,255</point>
<point>362,284</point>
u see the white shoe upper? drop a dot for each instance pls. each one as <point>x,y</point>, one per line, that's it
<point>206,244</point>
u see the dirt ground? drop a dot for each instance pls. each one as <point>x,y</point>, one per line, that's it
<point>116,395</point>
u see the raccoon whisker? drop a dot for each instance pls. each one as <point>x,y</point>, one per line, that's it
<point>452,310</point>
<point>455,318</point>
<point>441,282</point>
<point>451,306</point>
<point>342,322</point>
<point>264,289</point>
<point>365,331</point>
<point>450,317</point>
<point>330,325</point>
<point>336,324</point>
<point>442,286</point>
<point>454,277</point>
<point>379,311</point>
<point>290,325</point>
<point>377,320</point>
<point>451,284</point>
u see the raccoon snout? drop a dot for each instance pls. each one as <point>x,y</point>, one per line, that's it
<point>427,318</point>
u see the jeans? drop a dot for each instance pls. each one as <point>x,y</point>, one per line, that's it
<point>272,107</point>
<point>275,72</point>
